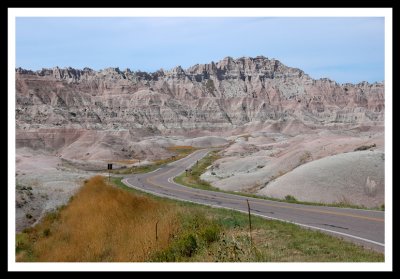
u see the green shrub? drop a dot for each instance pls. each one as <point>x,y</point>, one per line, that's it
<point>21,241</point>
<point>290,198</point>
<point>210,233</point>
<point>46,232</point>
<point>187,245</point>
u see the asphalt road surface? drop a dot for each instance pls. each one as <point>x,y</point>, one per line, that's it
<point>365,227</point>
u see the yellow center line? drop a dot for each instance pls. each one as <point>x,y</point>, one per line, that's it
<point>150,181</point>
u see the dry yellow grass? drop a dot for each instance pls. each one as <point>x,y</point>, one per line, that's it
<point>104,223</point>
<point>180,147</point>
<point>127,161</point>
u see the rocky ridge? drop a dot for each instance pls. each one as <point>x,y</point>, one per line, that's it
<point>216,96</point>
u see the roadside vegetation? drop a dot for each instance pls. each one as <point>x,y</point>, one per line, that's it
<point>113,223</point>
<point>365,147</point>
<point>192,179</point>
<point>179,151</point>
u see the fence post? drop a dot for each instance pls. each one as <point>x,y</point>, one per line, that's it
<point>156,231</point>
<point>248,206</point>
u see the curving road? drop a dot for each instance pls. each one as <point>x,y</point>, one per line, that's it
<point>365,227</point>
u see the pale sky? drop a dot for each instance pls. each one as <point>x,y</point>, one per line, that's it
<point>342,49</point>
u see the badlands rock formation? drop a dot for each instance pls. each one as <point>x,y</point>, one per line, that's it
<point>215,96</point>
<point>69,117</point>
<point>113,108</point>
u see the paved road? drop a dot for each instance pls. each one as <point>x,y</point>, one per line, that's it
<point>364,227</point>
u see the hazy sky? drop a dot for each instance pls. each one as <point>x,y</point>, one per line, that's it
<point>342,49</point>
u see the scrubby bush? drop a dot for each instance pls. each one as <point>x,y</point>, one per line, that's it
<point>210,233</point>
<point>187,245</point>
<point>305,157</point>
<point>46,232</point>
<point>365,147</point>
<point>290,198</point>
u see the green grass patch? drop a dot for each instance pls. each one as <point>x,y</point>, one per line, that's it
<point>218,235</point>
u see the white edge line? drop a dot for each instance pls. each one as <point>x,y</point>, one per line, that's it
<point>265,217</point>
